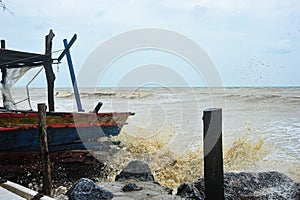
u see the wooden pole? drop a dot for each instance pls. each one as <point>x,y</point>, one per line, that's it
<point>213,154</point>
<point>4,73</point>
<point>3,82</point>
<point>44,149</point>
<point>48,69</point>
<point>72,74</point>
<point>2,44</point>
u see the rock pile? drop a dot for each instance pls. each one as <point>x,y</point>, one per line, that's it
<point>264,185</point>
<point>136,181</point>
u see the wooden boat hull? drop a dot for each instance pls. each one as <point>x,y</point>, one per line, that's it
<point>59,139</point>
<point>69,135</point>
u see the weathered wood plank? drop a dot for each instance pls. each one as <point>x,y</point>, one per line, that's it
<point>5,194</point>
<point>17,59</point>
<point>21,191</point>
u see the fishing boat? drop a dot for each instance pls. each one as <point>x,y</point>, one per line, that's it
<point>70,135</point>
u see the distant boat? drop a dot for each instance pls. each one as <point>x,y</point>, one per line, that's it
<point>70,135</point>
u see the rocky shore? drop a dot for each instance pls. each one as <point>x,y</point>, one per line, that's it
<point>136,181</point>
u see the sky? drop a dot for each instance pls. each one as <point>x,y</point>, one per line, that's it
<point>250,42</point>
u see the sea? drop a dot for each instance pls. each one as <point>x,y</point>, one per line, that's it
<point>261,127</point>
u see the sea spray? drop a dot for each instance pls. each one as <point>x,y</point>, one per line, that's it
<point>171,169</point>
<point>244,154</point>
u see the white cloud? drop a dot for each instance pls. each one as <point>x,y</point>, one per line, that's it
<point>282,47</point>
<point>225,27</point>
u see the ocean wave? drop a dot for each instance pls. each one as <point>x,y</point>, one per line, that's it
<point>232,96</point>
<point>263,97</point>
<point>294,100</point>
<point>296,97</point>
<point>63,94</point>
<point>134,96</point>
<point>68,94</point>
<point>97,94</point>
<point>254,97</point>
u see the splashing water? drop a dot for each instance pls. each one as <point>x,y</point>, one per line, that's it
<point>244,154</point>
<point>171,169</point>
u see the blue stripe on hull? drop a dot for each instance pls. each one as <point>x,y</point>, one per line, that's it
<point>26,140</point>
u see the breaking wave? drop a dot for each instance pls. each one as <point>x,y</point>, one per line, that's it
<point>262,98</point>
<point>171,169</point>
<point>62,94</point>
<point>68,94</point>
<point>253,97</point>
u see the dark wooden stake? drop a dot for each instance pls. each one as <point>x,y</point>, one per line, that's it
<point>4,73</point>
<point>213,155</point>
<point>3,82</point>
<point>2,44</point>
<point>44,149</point>
<point>48,69</point>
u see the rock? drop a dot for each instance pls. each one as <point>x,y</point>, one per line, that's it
<point>136,170</point>
<point>131,187</point>
<point>61,190</point>
<point>61,197</point>
<point>167,189</point>
<point>38,196</point>
<point>150,191</point>
<point>190,191</point>
<point>264,185</point>
<point>2,180</point>
<point>86,189</point>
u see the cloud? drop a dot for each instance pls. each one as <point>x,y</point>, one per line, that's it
<point>282,47</point>
<point>199,11</point>
<point>226,28</point>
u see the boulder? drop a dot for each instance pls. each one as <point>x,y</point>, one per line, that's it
<point>264,185</point>
<point>86,189</point>
<point>136,170</point>
<point>131,187</point>
<point>190,191</point>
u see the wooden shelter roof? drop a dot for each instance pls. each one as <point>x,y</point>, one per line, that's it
<point>18,59</point>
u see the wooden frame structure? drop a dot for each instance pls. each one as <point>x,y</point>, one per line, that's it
<point>18,59</point>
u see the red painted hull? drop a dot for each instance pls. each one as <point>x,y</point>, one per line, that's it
<point>19,147</point>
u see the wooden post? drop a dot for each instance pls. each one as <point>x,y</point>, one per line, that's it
<point>48,69</point>
<point>3,71</point>
<point>44,149</point>
<point>3,82</point>
<point>213,154</point>
<point>2,44</point>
